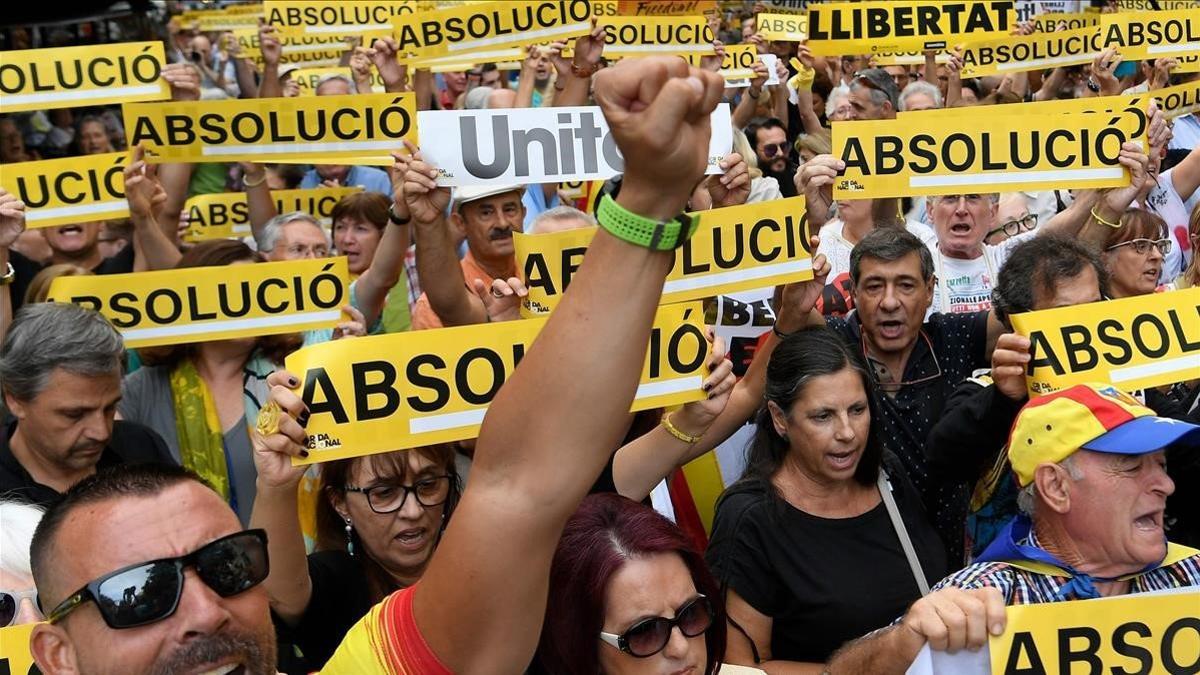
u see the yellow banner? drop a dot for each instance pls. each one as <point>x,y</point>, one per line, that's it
<point>573,189</point>
<point>632,36</point>
<point>1134,343</point>
<point>1049,23</point>
<point>1133,103</point>
<point>1141,633</point>
<point>938,156</point>
<point>464,29</point>
<point>1155,5</point>
<point>910,58</point>
<point>15,657</point>
<point>290,45</point>
<point>1152,35</point>
<point>837,28</point>
<point>461,62</point>
<point>1182,99</point>
<point>225,19</point>
<point>405,390</point>
<point>734,249</point>
<point>71,190</point>
<point>335,17</point>
<point>738,63</point>
<point>1031,52</point>
<point>782,27</point>
<point>666,7</point>
<point>270,129</point>
<point>1189,63</point>
<point>225,215</point>
<point>69,77</point>
<point>202,304</point>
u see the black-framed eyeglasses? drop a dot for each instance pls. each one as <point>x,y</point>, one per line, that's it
<point>1142,246</point>
<point>431,491</point>
<point>1016,226</point>
<point>772,149</point>
<point>650,636</point>
<point>148,592</point>
<point>10,605</point>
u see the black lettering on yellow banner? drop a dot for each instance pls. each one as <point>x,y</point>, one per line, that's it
<point>734,249</point>
<point>1134,343</point>
<point>666,7</point>
<point>72,190</point>
<point>406,390</point>
<point>334,17</point>
<point>1049,23</point>
<point>955,155</point>
<point>291,45</point>
<point>1031,52</point>
<point>489,25</point>
<point>836,28</point>
<point>1182,99</point>
<point>69,77</point>
<point>605,8</point>
<point>264,130</point>
<point>738,63</point>
<point>1155,5</point>
<point>1140,633</point>
<point>632,36</point>
<point>225,215</point>
<point>1152,35</point>
<point>15,656</point>
<point>228,18</point>
<point>188,305</point>
<point>1188,64</point>
<point>782,27</point>
<point>309,78</point>
<point>573,189</point>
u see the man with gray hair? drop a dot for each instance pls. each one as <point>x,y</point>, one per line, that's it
<point>873,95</point>
<point>60,371</point>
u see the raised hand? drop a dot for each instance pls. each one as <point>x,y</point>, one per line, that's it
<point>273,453</point>
<point>392,72</point>
<point>12,218</point>
<point>401,163</point>
<point>658,110</point>
<point>360,70</point>
<point>426,201</point>
<point>694,418</point>
<point>1103,69</point>
<point>815,180</point>
<point>355,327</point>
<point>269,44</point>
<point>799,299</point>
<point>731,188</point>
<point>502,300</point>
<point>142,189</point>
<point>184,80</point>
<point>1009,360</point>
<point>589,48</point>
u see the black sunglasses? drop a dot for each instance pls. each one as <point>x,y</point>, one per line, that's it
<point>150,591</point>
<point>650,636</point>
<point>772,149</point>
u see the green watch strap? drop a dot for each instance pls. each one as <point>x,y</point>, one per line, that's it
<point>646,232</point>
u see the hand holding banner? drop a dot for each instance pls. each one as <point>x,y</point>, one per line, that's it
<point>405,390</point>
<point>1134,343</point>
<point>185,305</point>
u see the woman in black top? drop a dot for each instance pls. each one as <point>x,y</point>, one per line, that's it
<point>379,519</point>
<point>803,542</point>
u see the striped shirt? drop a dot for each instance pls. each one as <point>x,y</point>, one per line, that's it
<point>1022,587</point>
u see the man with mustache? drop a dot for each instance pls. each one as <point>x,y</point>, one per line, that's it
<point>145,569</point>
<point>486,217</point>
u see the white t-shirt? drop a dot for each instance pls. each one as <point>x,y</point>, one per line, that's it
<point>836,299</point>
<point>966,285</point>
<point>1166,202</point>
<point>1185,132</point>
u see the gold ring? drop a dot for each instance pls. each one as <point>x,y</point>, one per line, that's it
<point>268,419</point>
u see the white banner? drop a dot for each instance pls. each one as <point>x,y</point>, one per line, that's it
<point>535,145</point>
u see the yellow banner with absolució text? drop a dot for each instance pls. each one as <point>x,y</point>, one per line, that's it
<point>272,129</point>
<point>69,77</point>
<point>734,249</point>
<point>224,215</point>
<point>1134,343</point>
<point>956,155</point>
<point>406,390</point>
<point>69,190</point>
<point>200,304</point>
<point>490,25</point>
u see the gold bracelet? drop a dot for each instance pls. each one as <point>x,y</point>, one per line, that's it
<point>674,431</point>
<point>260,181</point>
<point>1102,221</point>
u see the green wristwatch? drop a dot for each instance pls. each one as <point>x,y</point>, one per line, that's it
<point>646,232</point>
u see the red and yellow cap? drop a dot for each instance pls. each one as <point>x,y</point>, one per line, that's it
<point>1096,417</point>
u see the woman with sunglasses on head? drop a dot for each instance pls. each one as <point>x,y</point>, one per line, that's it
<point>629,593</point>
<point>812,545</point>
<point>18,597</point>
<point>1135,252</point>
<point>378,521</point>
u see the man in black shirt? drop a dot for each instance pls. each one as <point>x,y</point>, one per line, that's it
<point>60,370</point>
<point>770,141</point>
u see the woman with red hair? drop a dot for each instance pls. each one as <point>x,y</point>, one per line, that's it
<point>629,593</point>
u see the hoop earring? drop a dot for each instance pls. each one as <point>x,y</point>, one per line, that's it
<point>349,538</point>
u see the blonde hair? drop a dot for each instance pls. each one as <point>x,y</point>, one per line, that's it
<point>819,143</point>
<point>741,145</point>
<point>39,286</point>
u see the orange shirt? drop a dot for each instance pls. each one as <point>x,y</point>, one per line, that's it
<point>386,641</point>
<point>423,315</point>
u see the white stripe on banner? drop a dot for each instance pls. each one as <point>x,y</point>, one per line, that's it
<point>532,34</point>
<point>52,97</point>
<point>230,325</point>
<point>710,280</point>
<point>350,146</point>
<point>1179,364</point>
<point>1015,177</point>
<point>34,215</point>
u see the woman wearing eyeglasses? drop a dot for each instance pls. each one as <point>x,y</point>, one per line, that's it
<point>823,539</point>
<point>1134,253</point>
<point>629,593</point>
<point>379,519</point>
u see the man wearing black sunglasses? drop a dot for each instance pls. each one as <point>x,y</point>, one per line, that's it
<point>770,141</point>
<point>145,569</point>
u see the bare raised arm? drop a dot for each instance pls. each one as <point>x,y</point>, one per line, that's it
<point>481,602</point>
